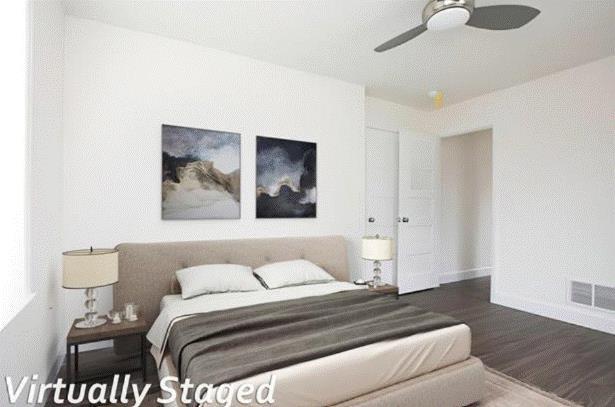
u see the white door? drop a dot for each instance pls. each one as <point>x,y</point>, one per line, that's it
<point>381,174</point>
<point>418,195</point>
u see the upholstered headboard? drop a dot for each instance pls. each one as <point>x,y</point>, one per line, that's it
<point>146,270</point>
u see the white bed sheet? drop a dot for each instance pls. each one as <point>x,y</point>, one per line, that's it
<point>170,299</point>
<point>173,310</point>
<point>336,378</point>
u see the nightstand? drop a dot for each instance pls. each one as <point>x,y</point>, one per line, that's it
<point>108,331</point>
<point>386,289</point>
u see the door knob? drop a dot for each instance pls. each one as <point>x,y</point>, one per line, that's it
<point>371,220</point>
<point>405,220</point>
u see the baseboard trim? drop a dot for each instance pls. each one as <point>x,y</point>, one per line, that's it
<point>452,276</point>
<point>592,319</point>
<point>53,375</point>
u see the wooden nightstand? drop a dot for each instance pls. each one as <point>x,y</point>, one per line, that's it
<point>387,289</point>
<point>77,336</point>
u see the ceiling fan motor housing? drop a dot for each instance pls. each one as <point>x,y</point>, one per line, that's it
<point>444,14</point>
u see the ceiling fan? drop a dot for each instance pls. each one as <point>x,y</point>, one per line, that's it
<point>445,14</point>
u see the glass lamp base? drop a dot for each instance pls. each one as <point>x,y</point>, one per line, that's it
<point>91,319</point>
<point>377,280</point>
<point>374,284</point>
<point>90,323</point>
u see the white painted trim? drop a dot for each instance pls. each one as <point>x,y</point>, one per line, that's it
<point>593,319</point>
<point>452,276</point>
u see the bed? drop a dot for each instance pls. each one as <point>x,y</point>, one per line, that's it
<point>431,368</point>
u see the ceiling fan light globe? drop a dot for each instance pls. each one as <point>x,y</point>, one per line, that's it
<point>448,18</point>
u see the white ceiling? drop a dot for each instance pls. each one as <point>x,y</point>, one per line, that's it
<point>336,38</point>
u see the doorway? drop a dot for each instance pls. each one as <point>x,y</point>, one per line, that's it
<point>401,201</point>
<point>466,207</point>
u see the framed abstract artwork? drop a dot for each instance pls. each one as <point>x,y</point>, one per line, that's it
<point>201,177</point>
<point>285,178</point>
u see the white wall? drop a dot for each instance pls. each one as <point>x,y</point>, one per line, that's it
<point>385,115</point>
<point>466,226</point>
<point>553,184</point>
<point>30,342</point>
<point>121,85</point>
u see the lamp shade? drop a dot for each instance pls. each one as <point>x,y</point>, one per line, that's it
<point>377,248</point>
<point>89,268</point>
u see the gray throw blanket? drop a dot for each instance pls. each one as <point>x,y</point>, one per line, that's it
<point>226,346</point>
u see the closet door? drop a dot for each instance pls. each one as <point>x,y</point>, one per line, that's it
<point>418,186</point>
<point>381,174</point>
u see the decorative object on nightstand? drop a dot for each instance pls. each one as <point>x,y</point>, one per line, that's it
<point>130,311</point>
<point>106,332</point>
<point>114,317</point>
<point>377,248</point>
<point>88,269</point>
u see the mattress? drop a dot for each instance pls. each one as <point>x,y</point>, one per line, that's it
<point>349,374</point>
<point>336,378</point>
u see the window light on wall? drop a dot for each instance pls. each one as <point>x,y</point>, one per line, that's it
<point>13,223</point>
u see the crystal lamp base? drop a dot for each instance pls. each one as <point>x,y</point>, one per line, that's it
<point>377,280</point>
<point>91,319</point>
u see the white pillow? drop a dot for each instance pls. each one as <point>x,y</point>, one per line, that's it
<point>216,278</point>
<point>294,272</point>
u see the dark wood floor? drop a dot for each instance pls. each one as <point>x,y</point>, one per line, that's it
<point>99,366</point>
<point>573,362</point>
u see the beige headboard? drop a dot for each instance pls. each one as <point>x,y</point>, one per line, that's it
<point>146,270</point>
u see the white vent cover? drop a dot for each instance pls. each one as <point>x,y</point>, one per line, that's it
<point>604,297</point>
<point>592,295</point>
<point>581,293</point>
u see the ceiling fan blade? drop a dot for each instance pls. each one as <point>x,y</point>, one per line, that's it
<point>503,17</point>
<point>402,38</point>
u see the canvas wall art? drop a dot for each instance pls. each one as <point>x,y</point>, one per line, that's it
<point>200,173</point>
<point>285,178</point>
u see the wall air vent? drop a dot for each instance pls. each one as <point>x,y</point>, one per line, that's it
<point>581,293</point>
<point>604,297</point>
<point>600,297</point>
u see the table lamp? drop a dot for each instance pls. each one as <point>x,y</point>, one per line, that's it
<point>88,269</point>
<point>377,248</point>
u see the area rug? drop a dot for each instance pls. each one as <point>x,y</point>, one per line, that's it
<point>500,391</point>
<point>504,391</point>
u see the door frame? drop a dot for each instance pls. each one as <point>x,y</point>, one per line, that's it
<point>494,203</point>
